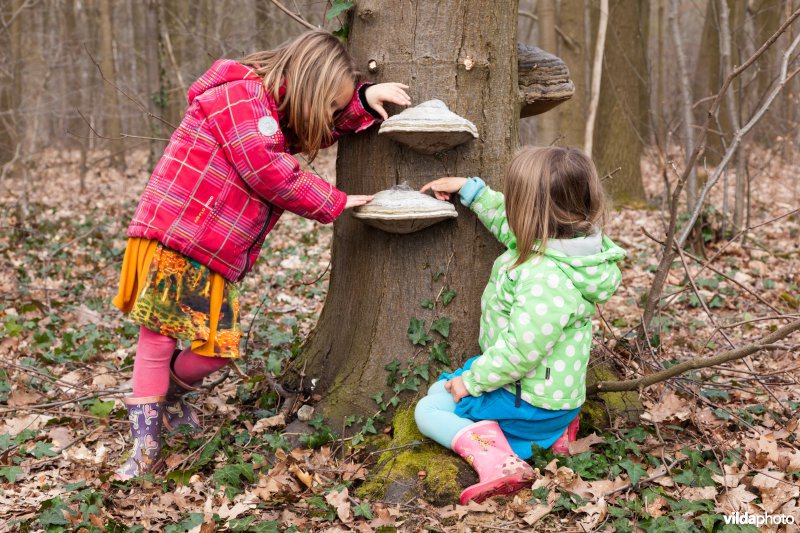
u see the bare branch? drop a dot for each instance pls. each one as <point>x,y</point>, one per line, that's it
<point>126,95</point>
<point>662,271</point>
<point>294,16</point>
<point>767,343</point>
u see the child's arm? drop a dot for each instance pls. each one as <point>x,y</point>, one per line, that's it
<point>272,173</point>
<point>534,326</point>
<point>366,107</point>
<point>488,204</point>
<point>490,207</point>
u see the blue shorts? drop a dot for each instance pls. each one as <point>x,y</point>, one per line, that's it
<point>521,424</point>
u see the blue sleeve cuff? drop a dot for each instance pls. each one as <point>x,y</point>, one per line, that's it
<point>471,189</point>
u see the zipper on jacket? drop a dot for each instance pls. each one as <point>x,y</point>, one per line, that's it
<point>250,248</point>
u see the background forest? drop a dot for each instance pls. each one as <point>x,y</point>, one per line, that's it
<point>693,121</point>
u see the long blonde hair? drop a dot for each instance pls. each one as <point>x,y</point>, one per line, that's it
<point>552,193</point>
<point>313,67</point>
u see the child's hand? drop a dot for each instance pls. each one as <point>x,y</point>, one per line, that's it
<point>355,200</point>
<point>456,387</point>
<point>380,93</point>
<point>444,186</point>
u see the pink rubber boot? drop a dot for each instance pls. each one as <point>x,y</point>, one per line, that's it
<point>561,446</point>
<point>486,449</point>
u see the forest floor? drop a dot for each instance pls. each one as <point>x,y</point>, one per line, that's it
<point>711,443</point>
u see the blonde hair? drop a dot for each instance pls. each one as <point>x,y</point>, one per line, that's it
<point>551,193</point>
<point>313,66</point>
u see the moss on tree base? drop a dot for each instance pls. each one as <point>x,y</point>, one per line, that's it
<point>598,413</point>
<point>397,477</point>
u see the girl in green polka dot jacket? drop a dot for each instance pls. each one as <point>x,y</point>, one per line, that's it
<point>536,318</point>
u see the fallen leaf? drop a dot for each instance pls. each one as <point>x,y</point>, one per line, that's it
<point>584,444</point>
<point>774,490</point>
<point>22,397</point>
<point>538,512</point>
<point>341,501</point>
<point>735,499</point>
<point>264,424</point>
<point>670,406</point>
<point>595,513</point>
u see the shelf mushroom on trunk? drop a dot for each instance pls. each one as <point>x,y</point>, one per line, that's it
<point>429,128</point>
<point>401,209</point>
<point>543,80</point>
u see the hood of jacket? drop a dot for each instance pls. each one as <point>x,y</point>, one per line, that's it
<point>221,72</point>
<point>590,263</point>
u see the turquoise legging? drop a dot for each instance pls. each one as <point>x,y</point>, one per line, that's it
<point>436,418</point>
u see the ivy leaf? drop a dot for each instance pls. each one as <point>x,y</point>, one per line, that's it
<point>358,438</point>
<point>342,33</point>
<point>447,296</point>
<point>231,476</point>
<point>438,352</point>
<point>43,448</point>
<point>101,408</point>
<point>369,427</point>
<point>422,371</point>
<point>362,509</point>
<point>416,332</point>
<point>635,470</point>
<point>442,326</point>
<point>377,398</point>
<point>11,473</point>
<point>337,8</point>
<point>427,304</point>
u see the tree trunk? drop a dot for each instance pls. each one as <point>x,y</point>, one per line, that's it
<point>573,112</point>
<point>379,280</point>
<point>113,128</point>
<point>548,123</point>
<point>622,115</point>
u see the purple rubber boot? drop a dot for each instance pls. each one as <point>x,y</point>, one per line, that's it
<point>176,411</point>
<point>144,415</point>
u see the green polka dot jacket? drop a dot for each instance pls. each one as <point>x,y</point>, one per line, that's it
<point>536,320</point>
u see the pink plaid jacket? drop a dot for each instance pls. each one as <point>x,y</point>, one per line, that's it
<point>227,175</point>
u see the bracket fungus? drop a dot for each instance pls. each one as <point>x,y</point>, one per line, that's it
<point>543,80</point>
<point>429,128</point>
<point>401,209</point>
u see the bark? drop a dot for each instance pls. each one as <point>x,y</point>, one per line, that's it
<point>548,123</point>
<point>622,114</point>
<point>379,280</point>
<point>113,128</point>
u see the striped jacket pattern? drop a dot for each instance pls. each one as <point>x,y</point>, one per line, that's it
<point>227,174</point>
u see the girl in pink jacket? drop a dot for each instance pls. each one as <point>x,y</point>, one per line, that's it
<point>224,180</point>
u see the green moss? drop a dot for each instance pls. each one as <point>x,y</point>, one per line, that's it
<point>397,473</point>
<point>595,412</point>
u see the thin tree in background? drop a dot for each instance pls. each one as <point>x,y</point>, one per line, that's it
<point>622,117</point>
<point>572,119</point>
<point>548,122</point>
<point>687,119</point>
<point>111,107</point>
<point>597,75</point>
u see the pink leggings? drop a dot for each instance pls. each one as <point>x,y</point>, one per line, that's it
<point>151,366</point>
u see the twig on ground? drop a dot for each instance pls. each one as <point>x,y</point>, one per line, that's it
<point>766,343</point>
